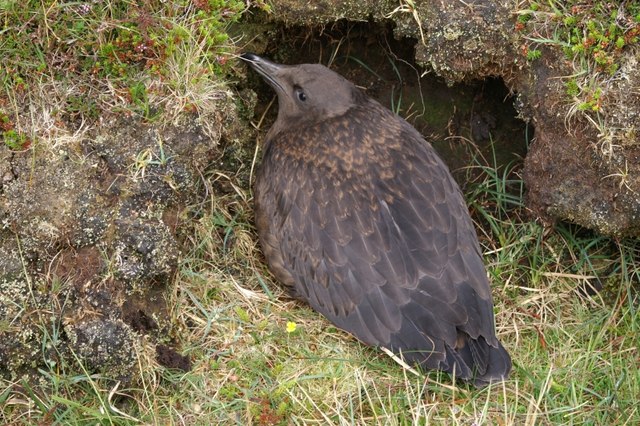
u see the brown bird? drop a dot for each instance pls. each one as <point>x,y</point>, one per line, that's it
<point>359,217</point>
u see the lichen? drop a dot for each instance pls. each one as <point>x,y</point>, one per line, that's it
<point>94,225</point>
<point>107,346</point>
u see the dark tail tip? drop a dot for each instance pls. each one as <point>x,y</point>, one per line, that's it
<point>498,367</point>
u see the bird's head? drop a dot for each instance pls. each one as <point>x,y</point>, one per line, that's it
<point>307,93</point>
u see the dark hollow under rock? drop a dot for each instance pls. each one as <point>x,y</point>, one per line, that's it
<point>168,357</point>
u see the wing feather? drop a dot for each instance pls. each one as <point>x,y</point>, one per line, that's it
<point>391,257</point>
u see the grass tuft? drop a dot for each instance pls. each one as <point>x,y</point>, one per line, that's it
<point>598,41</point>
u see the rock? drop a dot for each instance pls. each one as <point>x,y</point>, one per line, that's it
<point>88,243</point>
<point>106,346</point>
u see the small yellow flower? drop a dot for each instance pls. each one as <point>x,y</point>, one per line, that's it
<point>291,326</point>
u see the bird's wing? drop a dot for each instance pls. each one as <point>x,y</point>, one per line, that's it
<point>392,258</point>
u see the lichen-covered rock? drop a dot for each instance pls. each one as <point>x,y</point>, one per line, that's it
<point>104,345</point>
<point>145,250</point>
<point>88,240</point>
<point>461,41</point>
<point>458,40</point>
<point>295,12</point>
<point>20,339</point>
<point>38,202</point>
<point>30,327</point>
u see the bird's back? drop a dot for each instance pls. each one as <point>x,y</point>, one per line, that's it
<point>361,219</point>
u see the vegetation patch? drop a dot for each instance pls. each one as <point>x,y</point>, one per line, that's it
<point>138,56</point>
<point>590,32</point>
<point>11,138</point>
<point>597,39</point>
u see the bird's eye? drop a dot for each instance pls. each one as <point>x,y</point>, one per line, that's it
<point>301,95</point>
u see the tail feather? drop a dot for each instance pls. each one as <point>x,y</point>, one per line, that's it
<point>478,362</point>
<point>498,367</point>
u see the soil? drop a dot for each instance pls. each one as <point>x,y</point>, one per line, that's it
<point>574,171</point>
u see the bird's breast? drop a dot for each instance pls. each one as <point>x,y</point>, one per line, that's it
<point>351,149</point>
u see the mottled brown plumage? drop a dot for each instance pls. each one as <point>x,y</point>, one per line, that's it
<point>360,218</point>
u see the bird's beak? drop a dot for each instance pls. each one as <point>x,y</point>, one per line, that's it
<point>268,70</point>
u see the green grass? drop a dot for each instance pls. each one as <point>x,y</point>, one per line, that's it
<point>575,352</point>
